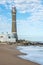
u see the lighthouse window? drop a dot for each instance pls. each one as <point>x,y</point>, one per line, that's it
<point>9,37</point>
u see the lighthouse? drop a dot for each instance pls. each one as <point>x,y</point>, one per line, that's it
<point>14,27</point>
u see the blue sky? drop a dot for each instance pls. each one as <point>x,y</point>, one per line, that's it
<point>29,18</point>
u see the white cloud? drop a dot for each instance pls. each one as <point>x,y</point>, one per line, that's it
<point>27,5</point>
<point>20,1</point>
<point>5,26</point>
<point>5,1</point>
<point>2,1</point>
<point>30,28</point>
<point>37,15</point>
<point>22,5</point>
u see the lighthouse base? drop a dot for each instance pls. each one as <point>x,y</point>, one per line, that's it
<point>14,35</point>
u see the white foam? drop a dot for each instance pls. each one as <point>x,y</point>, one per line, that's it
<point>34,53</point>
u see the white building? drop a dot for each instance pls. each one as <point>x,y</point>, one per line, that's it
<point>7,38</point>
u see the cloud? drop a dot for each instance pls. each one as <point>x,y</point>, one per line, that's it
<point>27,5</point>
<point>2,1</point>
<point>37,16</point>
<point>22,6</point>
<point>34,23</point>
<point>20,1</point>
<point>5,25</point>
<point>5,1</point>
<point>29,28</point>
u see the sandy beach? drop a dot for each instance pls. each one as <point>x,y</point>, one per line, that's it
<point>8,56</point>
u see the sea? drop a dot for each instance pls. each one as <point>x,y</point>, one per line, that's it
<point>33,53</point>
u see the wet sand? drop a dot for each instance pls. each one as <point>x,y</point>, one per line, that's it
<point>8,56</point>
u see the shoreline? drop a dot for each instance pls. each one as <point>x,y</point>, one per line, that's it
<point>9,56</point>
